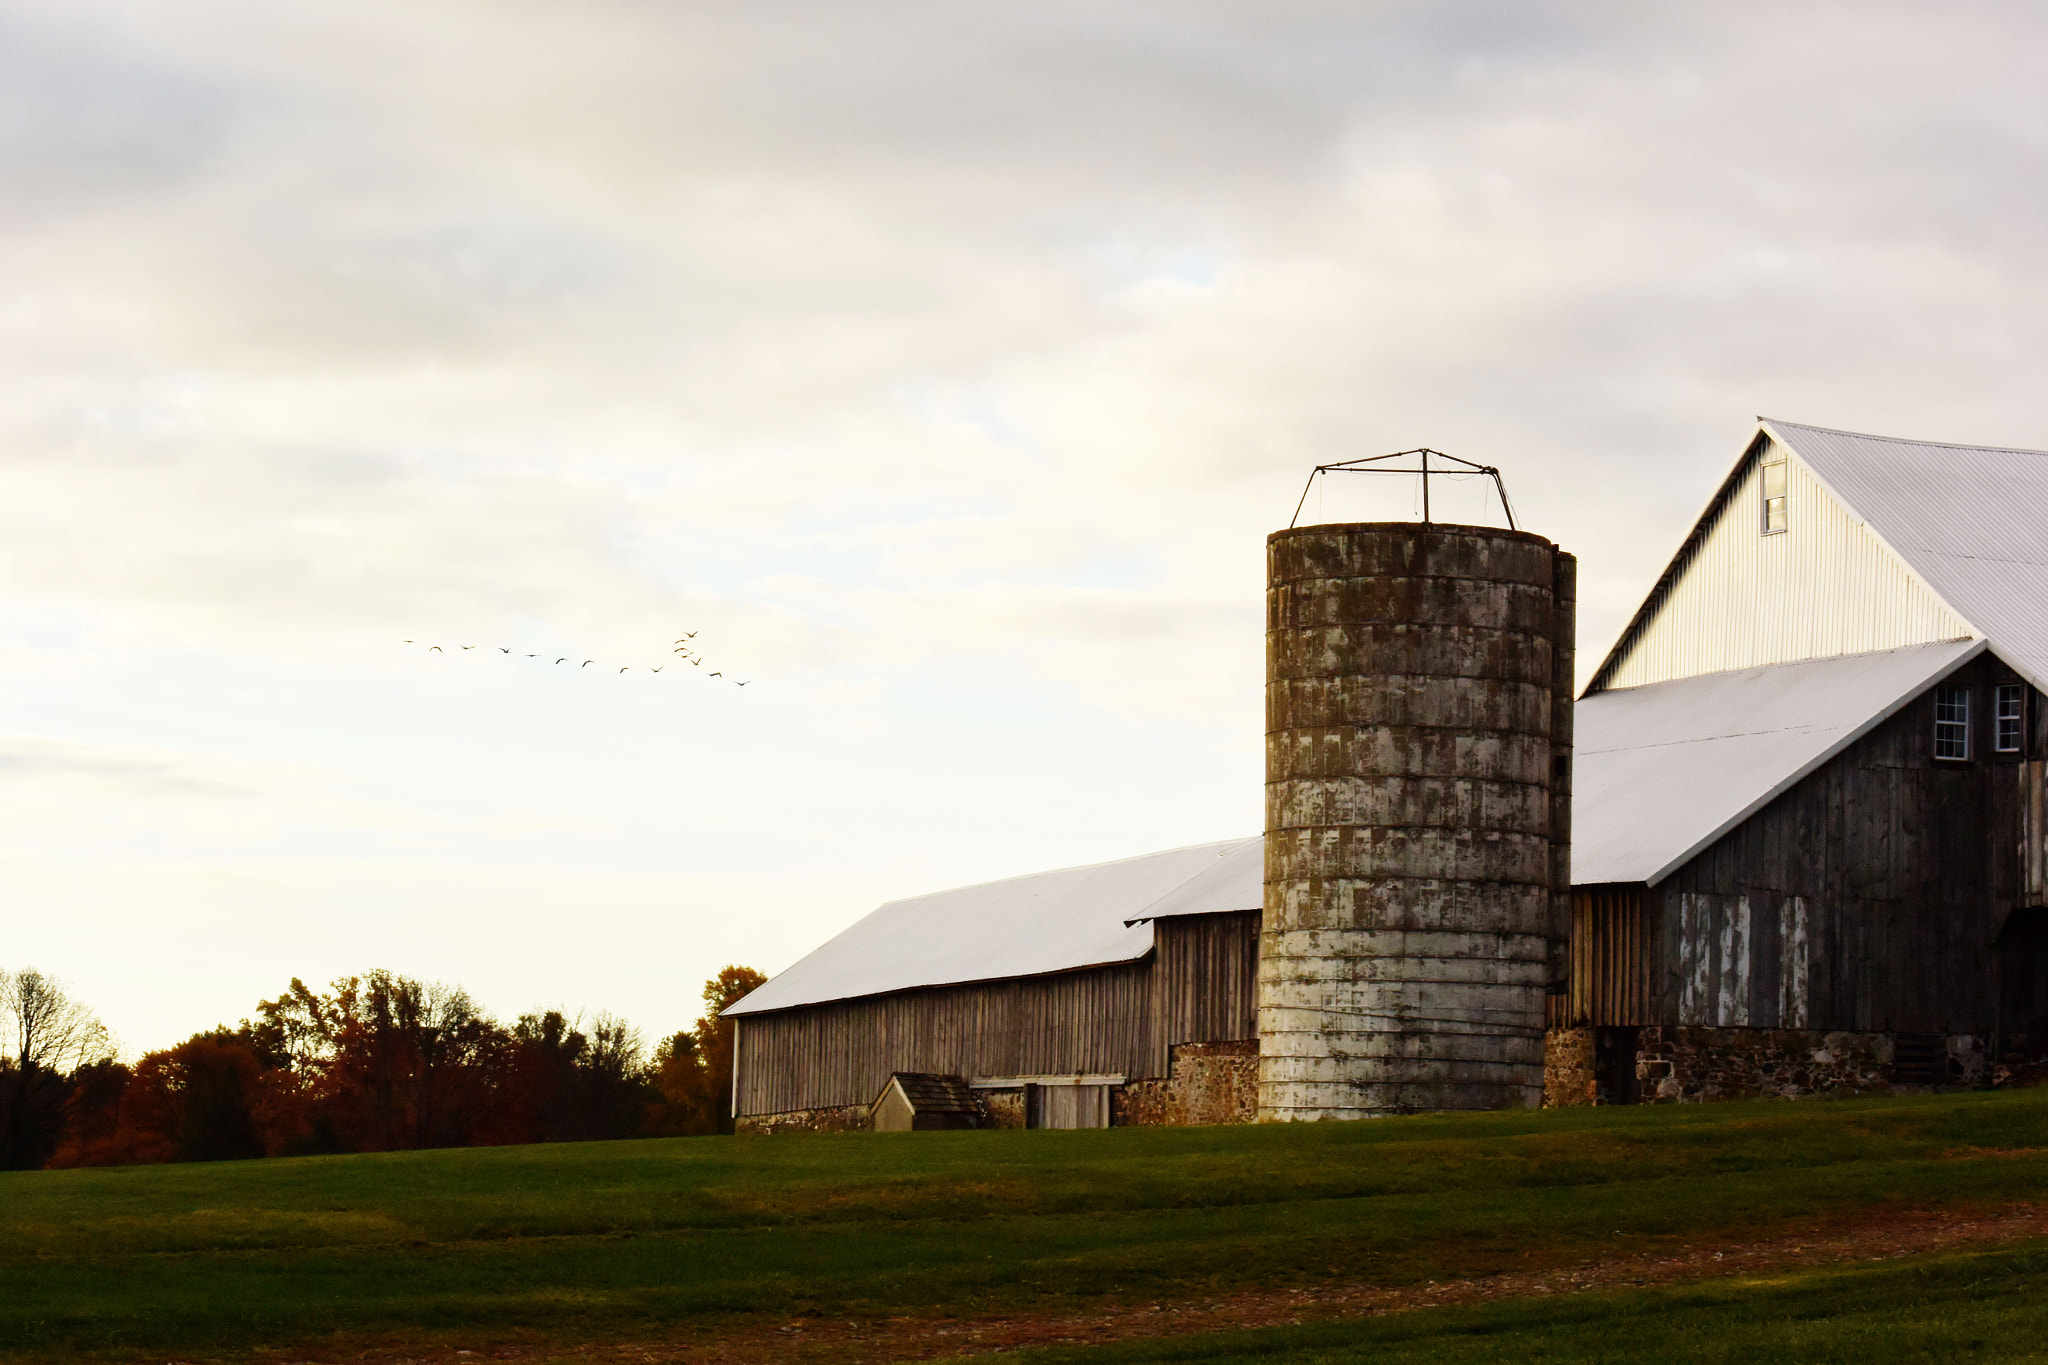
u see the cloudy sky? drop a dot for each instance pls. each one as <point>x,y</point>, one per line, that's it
<point>942,365</point>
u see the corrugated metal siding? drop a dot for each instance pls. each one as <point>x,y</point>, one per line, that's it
<point>825,1056</point>
<point>1735,598</point>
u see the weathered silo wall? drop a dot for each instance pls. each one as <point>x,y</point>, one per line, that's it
<point>1563,656</point>
<point>1417,784</point>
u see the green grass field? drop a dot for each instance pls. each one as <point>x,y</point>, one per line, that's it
<point>1973,1307</point>
<point>670,1238</point>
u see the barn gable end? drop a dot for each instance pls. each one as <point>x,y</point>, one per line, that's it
<point>1736,597</point>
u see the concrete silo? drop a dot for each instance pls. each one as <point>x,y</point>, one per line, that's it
<point>1418,765</point>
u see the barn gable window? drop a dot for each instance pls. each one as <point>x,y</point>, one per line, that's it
<point>1951,722</point>
<point>2011,712</point>
<point>1774,497</point>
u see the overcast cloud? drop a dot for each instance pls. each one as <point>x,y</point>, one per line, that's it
<point>943,365</point>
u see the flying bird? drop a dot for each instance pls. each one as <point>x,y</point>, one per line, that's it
<point>656,670</point>
<point>533,656</point>
<point>742,684</point>
<point>586,663</point>
<point>691,636</point>
<point>437,649</point>
<point>503,650</point>
<point>714,674</point>
<point>564,659</point>
<point>624,669</point>
<point>469,646</point>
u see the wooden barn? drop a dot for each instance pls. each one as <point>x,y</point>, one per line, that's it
<point>1809,849</point>
<point>1808,828</point>
<point>1118,993</point>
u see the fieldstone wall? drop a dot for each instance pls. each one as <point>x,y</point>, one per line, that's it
<point>1676,1064</point>
<point>1680,1065</point>
<point>1004,1108</point>
<point>2024,1061</point>
<point>853,1118</point>
<point>1568,1068</point>
<point>1206,1083</point>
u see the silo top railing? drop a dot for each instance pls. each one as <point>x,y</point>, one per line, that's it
<point>1378,464</point>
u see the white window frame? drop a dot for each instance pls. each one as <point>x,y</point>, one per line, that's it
<point>2009,708</point>
<point>1952,723</point>
<point>1783,497</point>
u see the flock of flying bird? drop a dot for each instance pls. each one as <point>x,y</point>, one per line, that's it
<point>683,648</point>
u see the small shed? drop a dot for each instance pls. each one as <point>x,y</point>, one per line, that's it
<point>922,1100</point>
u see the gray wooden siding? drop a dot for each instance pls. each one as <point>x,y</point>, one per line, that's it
<point>1196,985</point>
<point>1870,897</point>
<point>1207,980</point>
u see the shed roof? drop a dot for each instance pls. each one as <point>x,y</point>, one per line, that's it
<point>1663,770</point>
<point>931,1093</point>
<point>1022,926</point>
<point>1966,519</point>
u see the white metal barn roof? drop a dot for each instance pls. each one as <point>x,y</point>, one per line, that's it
<point>1662,770</point>
<point>1023,926</point>
<point>1970,521</point>
<point>1235,881</point>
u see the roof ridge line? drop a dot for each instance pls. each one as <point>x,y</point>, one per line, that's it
<point>1901,440</point>
<point>1795,663</point>
<point>1054,871</point>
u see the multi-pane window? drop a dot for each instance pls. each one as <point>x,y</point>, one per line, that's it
<point>2011,702</point>
<point>1774,496</point>
<point>1951,722</point>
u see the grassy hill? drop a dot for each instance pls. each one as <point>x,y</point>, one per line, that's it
<point>682,1240</point>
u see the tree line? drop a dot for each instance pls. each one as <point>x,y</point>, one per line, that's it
<point>374,1063</point>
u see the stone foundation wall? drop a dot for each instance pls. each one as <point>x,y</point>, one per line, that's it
<point>1677,1065</point>
<point>2024,1062</point>
<point>1206,1083</point>
<point>853,1118</point>
<point>1683,1064</point>
<point>1003,1108</point>
<point>1568,1068</point>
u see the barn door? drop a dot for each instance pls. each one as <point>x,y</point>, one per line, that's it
<point>1066,1106</point>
